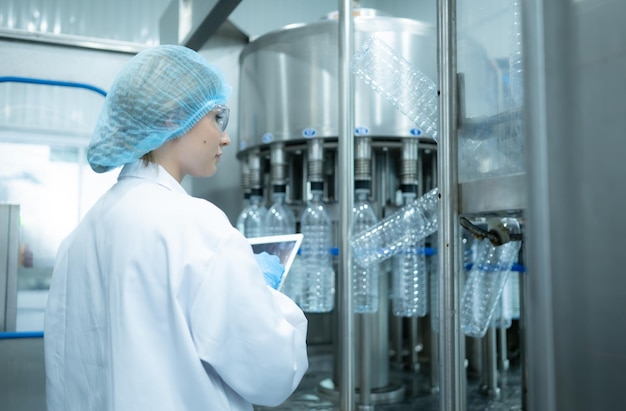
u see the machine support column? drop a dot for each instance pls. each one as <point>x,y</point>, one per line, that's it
<point>451,363</point>
<point>346,201</point>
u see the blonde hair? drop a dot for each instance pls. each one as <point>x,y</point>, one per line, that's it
<point>148,159</point>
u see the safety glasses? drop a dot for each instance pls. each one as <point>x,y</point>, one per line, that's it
<point>222,113</point>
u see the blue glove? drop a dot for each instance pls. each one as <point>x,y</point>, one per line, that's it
<point>272,268</point>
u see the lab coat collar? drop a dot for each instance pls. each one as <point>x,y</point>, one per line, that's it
<point>152,172</point>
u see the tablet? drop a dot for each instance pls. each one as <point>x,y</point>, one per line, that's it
<point>284,246</point>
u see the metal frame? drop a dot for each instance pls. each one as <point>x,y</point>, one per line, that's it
<point>72,41</point>
<point>451,355</point>
<point>9,255</point>
<point>209,24</point>
<point>346,201</point>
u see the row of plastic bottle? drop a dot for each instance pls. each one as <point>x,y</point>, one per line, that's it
<point>400,236</point>
<point>311,283</point>
<point>312,279</point>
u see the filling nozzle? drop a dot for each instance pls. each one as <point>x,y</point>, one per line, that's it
<point>362,159</point>
<point>254,166</point>
<point>315,150</point>
<point>409,172</point>
<point>245,174</point>
<point>278,164</point>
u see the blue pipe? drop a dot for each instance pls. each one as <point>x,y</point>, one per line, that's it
<point>8,335</point>
<point>424,250</point>
<point>29,80</point>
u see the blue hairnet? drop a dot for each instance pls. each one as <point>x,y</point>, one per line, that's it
<point>159,95</point>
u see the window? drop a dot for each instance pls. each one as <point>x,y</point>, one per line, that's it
<point>44,133</point>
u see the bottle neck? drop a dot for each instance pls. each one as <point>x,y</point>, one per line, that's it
<point>279,198</point>
<point>279,193</point>
<point>317,196</point>
<point>361,195</point>
<point>256,199</point>
<point>408,197</point>
<point>409,193</point>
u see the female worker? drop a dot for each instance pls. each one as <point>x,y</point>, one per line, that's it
<point>156,301</point>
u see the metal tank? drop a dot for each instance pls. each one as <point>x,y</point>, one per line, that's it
<point>289,95</point>
<point>289,80</point>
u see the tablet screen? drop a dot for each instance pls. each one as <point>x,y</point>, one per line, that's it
<point>284,246</point>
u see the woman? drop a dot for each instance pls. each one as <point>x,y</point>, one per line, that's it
<point>156,301</point>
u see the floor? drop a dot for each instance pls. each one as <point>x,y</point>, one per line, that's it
<point>311,394</point>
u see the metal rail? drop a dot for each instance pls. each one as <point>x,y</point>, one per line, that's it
<point>346,200</point>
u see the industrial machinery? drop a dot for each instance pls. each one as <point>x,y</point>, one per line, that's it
<point>288,136</point>
<point>553,96</point>
<point>289,102</point>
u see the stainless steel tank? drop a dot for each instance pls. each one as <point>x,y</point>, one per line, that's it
<point>289,80</point>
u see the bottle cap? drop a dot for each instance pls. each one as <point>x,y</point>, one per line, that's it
<point>362,184</point>
<point>317,185</point>
<point>409,188</point>
<point>279,188</point>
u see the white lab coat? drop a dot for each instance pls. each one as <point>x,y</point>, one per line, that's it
<point>157,303</point>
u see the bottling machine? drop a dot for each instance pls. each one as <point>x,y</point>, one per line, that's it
<point>289,133</point>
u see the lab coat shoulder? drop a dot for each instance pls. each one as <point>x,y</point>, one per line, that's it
<point>186,225</point>
<point>177,208</point>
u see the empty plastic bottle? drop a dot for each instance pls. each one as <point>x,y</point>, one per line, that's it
<point>513,294</point>
<point>254,225</point>
<point>508,307</point>
<point>279,218</point>
<point>413,222</point>
<point>485,282</point>
<point>364,279</point>
<point>412,92</point>
<point>293,286</point>
<point>409,287</point>
<point>318,274</point>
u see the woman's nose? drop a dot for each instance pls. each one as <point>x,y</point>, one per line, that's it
<point>225,139</point>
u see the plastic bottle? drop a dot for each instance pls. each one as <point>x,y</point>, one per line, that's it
<point>513,293</point>
<point>293,287</point>
<point>508,307</point>
<point>279,218</point>
<point>485,282</point>
<point>318,275</point>
<point>413,222</point>
<point>409,287</point>
<point>365,279</point>
<point>409,90</point>
<point>243,215</point>
<point>254,225</point>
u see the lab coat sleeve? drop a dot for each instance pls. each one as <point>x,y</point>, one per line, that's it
<point>252,336</point>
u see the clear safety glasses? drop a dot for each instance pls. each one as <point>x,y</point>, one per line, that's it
<point>222,113</point>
